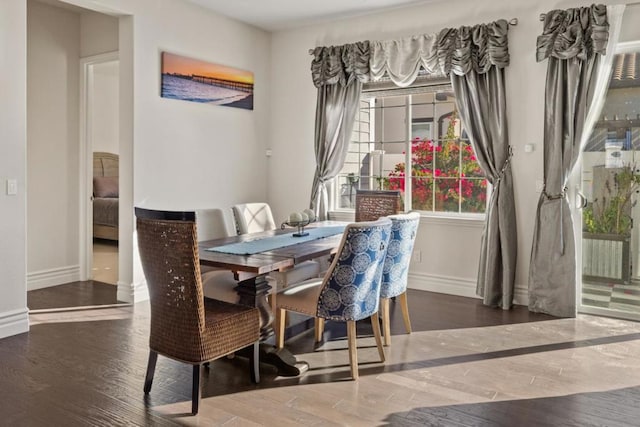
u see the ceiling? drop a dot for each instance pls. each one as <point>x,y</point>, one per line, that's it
<point>274,15</point>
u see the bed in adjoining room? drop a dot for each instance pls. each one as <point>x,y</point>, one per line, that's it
<point>105,195</point>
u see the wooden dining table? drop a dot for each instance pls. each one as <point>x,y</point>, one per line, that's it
<point>253,288</point>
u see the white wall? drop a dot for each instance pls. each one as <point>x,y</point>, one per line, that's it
<point>13,137</point>
<point>98,33</point>
<point>449,248</point>
<point>185,155</point>
<point>105,130</point>
<point>53,49</point>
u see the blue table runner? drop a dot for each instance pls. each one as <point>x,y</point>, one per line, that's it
<point>269,243</point>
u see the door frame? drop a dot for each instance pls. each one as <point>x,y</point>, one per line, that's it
<point>86,160</point>
<point>576,186</point>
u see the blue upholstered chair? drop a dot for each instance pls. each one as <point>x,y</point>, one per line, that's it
<point>404,228</point>
<point>350,289</point>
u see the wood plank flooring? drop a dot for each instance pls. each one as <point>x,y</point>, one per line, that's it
<point>72,295</point>
<point>463,365</point>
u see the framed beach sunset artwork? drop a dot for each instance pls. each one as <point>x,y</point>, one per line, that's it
<point>194,80</point>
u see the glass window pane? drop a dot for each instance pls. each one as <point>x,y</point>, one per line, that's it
<point>447,194</point>
<point>422,193</point>
<point>474,195</point>
<point>346,185</point>
<point>440,152</point>
<point>447,158</point>
<point>470,166</point>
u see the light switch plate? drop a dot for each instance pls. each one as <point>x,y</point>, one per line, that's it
<point>12,187</point>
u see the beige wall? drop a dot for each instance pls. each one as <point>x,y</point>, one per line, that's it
<point>184,155</point>
<point>53,49</point>
<point>105,131</point>
<point>98,33</point>
<point>13,138</point>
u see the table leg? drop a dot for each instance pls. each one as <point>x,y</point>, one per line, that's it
<point>253,292</point>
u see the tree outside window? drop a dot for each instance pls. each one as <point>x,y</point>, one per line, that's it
<point>445,175</point>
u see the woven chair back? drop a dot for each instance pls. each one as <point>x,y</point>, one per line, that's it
<point>374,204</point>
<point>351,286</point>
<point>169,255</point>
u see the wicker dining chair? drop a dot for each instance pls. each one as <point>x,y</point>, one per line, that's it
<point>373,204</point>
<point>184,325</point>
<point>350,289</point>
<point>404,228</point>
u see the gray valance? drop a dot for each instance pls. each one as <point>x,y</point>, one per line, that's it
<point>341,64</point>
<point>577,32</point>
<point>476,48</point>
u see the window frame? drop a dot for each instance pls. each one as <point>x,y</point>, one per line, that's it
<point>374,91</point>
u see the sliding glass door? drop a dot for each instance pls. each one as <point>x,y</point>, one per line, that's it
<point>608,191</point>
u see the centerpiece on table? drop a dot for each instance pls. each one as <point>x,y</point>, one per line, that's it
<point>300,220</point>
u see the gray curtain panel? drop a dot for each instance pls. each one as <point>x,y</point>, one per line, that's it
<point>573,40</point>
<point>475,58</point>
<point>338,72</point>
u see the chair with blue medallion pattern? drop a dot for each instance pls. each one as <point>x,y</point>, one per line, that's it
<point>350,289</point>
<point>404,228</point>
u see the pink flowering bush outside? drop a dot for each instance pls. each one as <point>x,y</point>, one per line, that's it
<point>449,168</point>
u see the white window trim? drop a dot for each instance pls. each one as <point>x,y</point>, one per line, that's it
<point>430,216</point>
<point>471,220</point>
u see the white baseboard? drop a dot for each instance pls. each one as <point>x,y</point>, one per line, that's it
<point>14,322</point>
<point>459,286</point>
<point>443,284</point>
<point>132,293</point>
<point>52,277</point>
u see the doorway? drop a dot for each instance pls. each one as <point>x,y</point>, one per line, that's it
<point>99,145</point>
<point>609,195</point>
<point>60,168</point>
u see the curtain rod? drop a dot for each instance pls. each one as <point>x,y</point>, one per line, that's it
<point>512,21</point>
<point>544,15</point>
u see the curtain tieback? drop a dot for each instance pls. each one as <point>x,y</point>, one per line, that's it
<point>505,165</point>
<point>559,196</point>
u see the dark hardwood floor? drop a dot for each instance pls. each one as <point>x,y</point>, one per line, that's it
<point>71,295</point>
<point>86,368</point>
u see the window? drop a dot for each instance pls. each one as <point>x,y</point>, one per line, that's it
<point>418,126</point>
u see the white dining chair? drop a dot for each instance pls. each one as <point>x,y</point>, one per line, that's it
<point>216,283</point>
<point>257,217</point>
<point>253,218</point>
